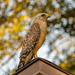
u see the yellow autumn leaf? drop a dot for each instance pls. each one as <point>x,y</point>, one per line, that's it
<point>55,47</point>
<point>16,37</point>
<point>65,60</point>
<point>0,61</point>
<point>8,54</point>
<point>19,8</point>
<point>62,65</point>
<point>25,17</point>
<point>15,27</point>
<point>0,57</point>
<point>58,10</point>
<point>7,41</point>
<point>27,0</point>
<point>14,71</point>
<point>7,1</point>
<point>0,37</point>
<point>1,51</point>
<point>7,23</point>
<point>11,33</point>
<point>2,26</point>
<point>7,29</point>
<point>21,27</point>
<point>14,6</point>
<point>1,31</point>
<point>15,20</point>
<point>22,17</point>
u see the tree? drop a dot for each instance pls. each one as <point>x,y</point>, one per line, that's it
<point>15,18</point>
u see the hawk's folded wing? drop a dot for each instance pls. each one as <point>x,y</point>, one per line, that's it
<point>30,40</point>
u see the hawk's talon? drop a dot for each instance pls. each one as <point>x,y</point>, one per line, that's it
<point>35,56</point>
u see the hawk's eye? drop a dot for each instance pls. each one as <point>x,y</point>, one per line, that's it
<point>43,15</point>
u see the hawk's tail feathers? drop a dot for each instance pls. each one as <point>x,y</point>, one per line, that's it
<point>25,59</point>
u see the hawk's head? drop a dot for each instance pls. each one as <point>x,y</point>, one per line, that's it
<point>42,17</point>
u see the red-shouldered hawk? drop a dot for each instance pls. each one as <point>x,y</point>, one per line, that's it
<point>34,39</point>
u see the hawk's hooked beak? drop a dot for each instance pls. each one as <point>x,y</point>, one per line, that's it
<point>47,15</point>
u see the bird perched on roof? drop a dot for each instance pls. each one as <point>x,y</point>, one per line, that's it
<point>34,39</point>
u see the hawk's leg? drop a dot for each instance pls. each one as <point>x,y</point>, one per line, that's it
<point>35,55</point>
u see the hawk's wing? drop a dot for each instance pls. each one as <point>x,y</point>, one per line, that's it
<point>30,40</point>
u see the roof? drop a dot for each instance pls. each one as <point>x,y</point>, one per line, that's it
<point>44,61</point>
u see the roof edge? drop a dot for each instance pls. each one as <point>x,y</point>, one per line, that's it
<point>45,61</point>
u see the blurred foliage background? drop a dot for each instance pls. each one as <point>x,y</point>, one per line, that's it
<point>15,19</point>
